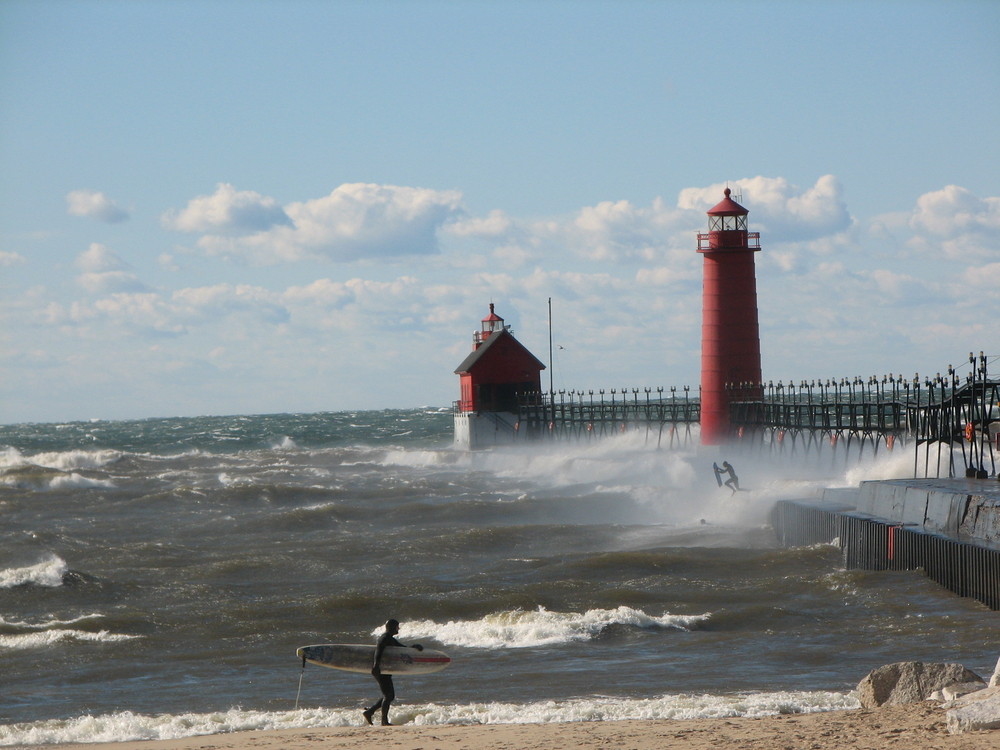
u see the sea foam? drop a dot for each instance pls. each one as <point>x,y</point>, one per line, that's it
<point>540,627</point>
<point>46,638</point>
<point>48,572</point>
<point>127,726</point>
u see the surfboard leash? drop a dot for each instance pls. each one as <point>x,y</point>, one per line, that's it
<point>301,675</point>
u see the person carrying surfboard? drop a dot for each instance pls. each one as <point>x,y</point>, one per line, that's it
<point>385,680</point>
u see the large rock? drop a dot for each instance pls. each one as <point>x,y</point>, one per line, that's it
<point>979,710</point>
<point>910,682</point>
<point>995,679</point>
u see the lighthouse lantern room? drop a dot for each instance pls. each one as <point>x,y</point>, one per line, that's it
<point>492,377</point>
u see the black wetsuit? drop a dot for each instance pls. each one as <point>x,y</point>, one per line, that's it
<point>384,680</point>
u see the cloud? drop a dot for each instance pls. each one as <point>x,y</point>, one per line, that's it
<point>10,259</point>
<point>227,211</point>
<point>104,272</point>
<point>614,231</point>
<point>985,280</point>
<point>608,232</point>
<point>95,205</point>
<point>786,212</point>
<point>208,303</point>
<point>495,224</point>
<point>957,223</point>
<point>355,221</point>
<point>98,258</point>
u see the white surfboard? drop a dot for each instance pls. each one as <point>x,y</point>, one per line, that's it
<point>355,657</point>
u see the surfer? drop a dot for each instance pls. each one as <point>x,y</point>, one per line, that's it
<point>733,483</point>
<point>385,680</point>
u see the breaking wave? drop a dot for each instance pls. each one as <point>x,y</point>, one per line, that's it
<point>48,572</point>
<point>541,627</point>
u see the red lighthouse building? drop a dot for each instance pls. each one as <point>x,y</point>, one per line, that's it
<point>492,377</point>
<point>730,333</point>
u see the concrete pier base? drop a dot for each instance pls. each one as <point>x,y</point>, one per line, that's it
<point>947,528</point>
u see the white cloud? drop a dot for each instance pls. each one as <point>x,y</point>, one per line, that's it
<point>104,272</point>
<point>9,259</point>
<point>615,231</point>
<point>956,223</point>
<point>495,224</point>
<point>899,288</point>
<point>110,281</point>
<point>144,311</point>
<point>98,258</point>
<point>785,212</point>
<point>609,232</point>
<point>208,303</point>
<point>228,211</point>
<point>984,279</point>
<point>95,205</point>
<point>355,221</point>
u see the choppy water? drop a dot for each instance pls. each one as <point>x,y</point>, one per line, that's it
<point>156,577</point>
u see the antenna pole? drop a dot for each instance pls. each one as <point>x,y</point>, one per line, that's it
<point>550,348</point>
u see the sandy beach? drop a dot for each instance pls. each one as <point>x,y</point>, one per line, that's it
<point>920,726</point>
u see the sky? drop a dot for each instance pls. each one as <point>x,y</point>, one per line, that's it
<point>245,207</point>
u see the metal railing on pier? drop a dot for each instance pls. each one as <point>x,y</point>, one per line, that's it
<point>664,415</point>
<point>947,420</point>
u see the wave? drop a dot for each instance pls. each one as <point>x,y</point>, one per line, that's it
<point>49,572</point>
<point>127,726</point>
<point>16,625</point>
<point>46,638</point>
<point>76,481</point>
<point>67,460</point>
<point>540,627</point>
<point>285,444</point>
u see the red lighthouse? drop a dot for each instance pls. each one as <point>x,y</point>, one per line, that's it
<point>730,334</point>
<point>498,370</point>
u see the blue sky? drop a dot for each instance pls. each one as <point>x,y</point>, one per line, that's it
<point>246,207</point>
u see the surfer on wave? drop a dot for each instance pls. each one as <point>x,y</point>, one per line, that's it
<point>733,483</point>
<point>385,680</point>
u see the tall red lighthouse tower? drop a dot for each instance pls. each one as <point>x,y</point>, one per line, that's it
<point>730,334</point>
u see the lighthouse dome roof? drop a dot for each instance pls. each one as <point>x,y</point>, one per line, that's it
<point>727,207</point>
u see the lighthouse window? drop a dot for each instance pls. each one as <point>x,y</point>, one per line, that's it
<point>727,223</point>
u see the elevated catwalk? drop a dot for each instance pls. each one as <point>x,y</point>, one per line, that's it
<point>947,528</point>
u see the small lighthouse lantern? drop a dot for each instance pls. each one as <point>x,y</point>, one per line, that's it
<point>492,323</point>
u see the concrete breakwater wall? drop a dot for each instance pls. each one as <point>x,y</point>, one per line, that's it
<point>948,529</point>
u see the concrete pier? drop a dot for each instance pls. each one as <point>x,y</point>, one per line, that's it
<point>947,528</point>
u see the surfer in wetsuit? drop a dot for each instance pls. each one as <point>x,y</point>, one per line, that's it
<point>385,680</point>
<point>733,483</point>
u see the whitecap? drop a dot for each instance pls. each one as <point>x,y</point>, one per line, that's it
<point>74,459</point>
<point>49,623</point>
<point>541,627</point>
<point>46,638</point>
<point>48,572</point>
<point>74,480</point>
